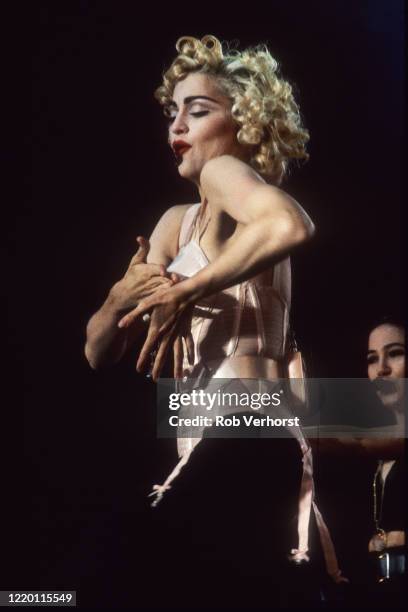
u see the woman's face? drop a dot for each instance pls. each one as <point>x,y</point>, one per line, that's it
<point>386,363</point>
<point>201,126</point>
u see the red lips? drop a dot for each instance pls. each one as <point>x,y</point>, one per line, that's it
<point>180,147</point>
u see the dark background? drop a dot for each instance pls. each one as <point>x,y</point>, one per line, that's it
<point>101,173</point>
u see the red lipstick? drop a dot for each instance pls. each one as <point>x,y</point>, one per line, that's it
<point>180,147</point>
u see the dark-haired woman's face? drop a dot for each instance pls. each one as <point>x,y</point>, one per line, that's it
<point>386,362</point>
<point>201,126</point>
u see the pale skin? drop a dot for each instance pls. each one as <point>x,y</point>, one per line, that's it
<point>252,226</point>
<point>106,344</point>
<point>386,362</point>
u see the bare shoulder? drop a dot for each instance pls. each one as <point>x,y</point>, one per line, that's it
<point>164,238</point>
<point>174,214</point>
<point>229,174</point>
<point>226,175</point>
<point>170,221</point>
<point>225,171</point>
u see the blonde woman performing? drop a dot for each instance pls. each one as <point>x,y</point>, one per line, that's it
<point>213,282</point>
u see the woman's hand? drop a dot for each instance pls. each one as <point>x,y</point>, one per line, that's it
<point>140,280</point>
<point>105,343</point>
<point>179,335</point>
<point>183,344</point>
<point>167,306</point>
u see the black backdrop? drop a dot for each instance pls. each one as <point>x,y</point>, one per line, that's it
<point>98,146</point>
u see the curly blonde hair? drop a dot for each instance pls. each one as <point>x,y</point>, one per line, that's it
<point>263,105</point>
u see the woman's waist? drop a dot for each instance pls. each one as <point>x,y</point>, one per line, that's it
<point>236,366</point>
<point>242,295</point>
<point>220,337</point>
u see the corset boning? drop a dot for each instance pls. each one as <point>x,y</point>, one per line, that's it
<point>246,319</point>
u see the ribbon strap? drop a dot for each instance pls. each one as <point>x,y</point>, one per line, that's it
<point>159,490</point>
<point>306,503</point>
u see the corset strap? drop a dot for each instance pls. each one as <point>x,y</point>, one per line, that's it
<point>241,298</point>
<point>260,326</point>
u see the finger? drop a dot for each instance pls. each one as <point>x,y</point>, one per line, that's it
<point>162,351</point>
<point>142,252</point>
<point>154,286</point>
<point>163,271</point>
<point>147,348</point>
<point>157,282</point>
<point>129,318</point>
<point>175,277</point>
<point>178,357</point>
<point>161,276</point>
<point>161,357</point>
<point>143,306</point>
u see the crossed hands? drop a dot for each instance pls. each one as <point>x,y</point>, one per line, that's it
<point>170,319</point>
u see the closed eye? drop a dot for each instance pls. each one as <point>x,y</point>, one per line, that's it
<point>171,118</point>
<point>200,113</point>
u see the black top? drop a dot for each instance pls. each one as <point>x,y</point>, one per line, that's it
<point>392,516</point>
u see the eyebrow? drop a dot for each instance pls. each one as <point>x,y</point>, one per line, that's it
<point>192,98</point>
<point>387,346</point>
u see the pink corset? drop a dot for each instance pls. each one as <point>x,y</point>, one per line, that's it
<point>249,319</point>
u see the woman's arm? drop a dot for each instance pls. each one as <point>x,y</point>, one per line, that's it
<point>273,224</point>
<point>106,343</point>
<point>364,448</point>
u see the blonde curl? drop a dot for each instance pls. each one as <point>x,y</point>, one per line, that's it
<point>262,102</point>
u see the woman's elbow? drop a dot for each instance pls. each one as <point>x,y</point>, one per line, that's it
<point>90,357</point>
<point>308,230</point>
<point>296,230</point>
<point>100,358</point>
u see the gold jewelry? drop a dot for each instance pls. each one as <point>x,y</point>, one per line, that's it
<point>379,539</point>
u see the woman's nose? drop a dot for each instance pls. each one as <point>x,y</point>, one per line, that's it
<point>179,125</point>
<point>384,368</point>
